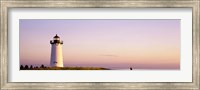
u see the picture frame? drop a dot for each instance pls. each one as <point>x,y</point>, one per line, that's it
<point>4,50</point>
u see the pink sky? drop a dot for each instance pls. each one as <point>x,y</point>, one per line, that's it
<point>118,44</point>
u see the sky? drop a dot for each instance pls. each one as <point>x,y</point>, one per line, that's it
<point>110,43</point>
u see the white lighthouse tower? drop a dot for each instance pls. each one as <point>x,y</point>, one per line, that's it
<point>56,52</point>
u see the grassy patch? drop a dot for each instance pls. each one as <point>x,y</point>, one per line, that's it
<point>67,68</point>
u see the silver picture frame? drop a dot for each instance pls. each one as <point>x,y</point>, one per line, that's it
<point>7,4</point>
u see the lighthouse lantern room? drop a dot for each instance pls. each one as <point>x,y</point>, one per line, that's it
<point>56,52</point>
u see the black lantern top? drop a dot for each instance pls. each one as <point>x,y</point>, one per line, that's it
<point>56,40</point>
<point>56,36</point>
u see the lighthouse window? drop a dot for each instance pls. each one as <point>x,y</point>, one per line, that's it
<point>56,39</point>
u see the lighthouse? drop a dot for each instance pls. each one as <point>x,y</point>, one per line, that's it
<point>56,52</point>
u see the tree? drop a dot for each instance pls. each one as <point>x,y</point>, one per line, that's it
<point>21,67</point>
<point>31,67</point>
<point>26,67</point>
<point>42,66</point>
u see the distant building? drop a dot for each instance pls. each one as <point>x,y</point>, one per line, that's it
<point>56,52</point>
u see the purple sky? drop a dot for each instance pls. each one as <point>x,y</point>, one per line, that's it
<point>141,44</point>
